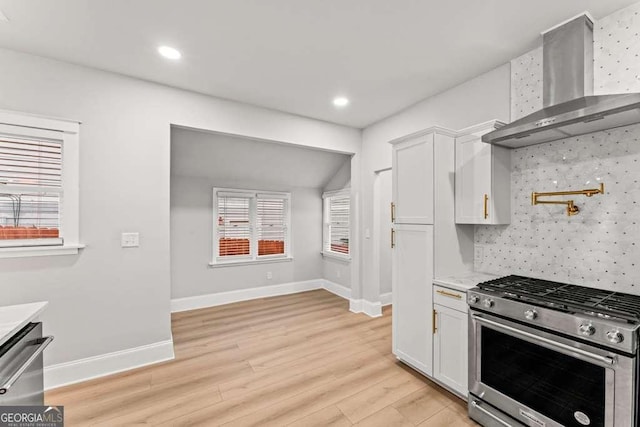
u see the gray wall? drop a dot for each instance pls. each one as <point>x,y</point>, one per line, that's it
<point>107,298</point>
<point>337,270</point>
<point>385,181</point>
<point>598,247</point>
<point>191,241</point>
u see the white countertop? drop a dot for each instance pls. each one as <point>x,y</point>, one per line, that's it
<point>465,281</point>
<point>15,317</point>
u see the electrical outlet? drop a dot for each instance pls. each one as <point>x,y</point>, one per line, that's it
<point>478,253</point>
<point>338,273</point>
<point>130,240</point>
<point>269,275</point>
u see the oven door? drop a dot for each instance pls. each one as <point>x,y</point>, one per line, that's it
<point>542,379</point>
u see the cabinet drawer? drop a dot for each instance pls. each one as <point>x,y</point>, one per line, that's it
<point>454,299</point>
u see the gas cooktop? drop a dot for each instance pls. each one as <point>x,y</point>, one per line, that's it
<point>605,317</point>
<point>566,297</point>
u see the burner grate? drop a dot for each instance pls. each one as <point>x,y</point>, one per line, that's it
<point>567,297</point>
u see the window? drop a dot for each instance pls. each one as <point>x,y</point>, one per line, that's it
<point>337,207</point>
<point>38,183</point>
<point>250,226</point>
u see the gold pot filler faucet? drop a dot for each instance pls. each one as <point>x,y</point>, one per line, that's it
<point>572,209</point>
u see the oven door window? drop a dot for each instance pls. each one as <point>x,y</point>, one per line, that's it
<point>565,389</point>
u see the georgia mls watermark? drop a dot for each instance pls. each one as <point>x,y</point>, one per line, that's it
<point>31,416</point>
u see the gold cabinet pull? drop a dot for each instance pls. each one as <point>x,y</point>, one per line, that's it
<point>449,294</point>
<point>393,238</point>
<point>393,212</point>
<point>486,206</point>
<point>435,327</point>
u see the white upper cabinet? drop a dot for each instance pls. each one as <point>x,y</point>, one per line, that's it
<point>482,178</point>
<point>413,180</point>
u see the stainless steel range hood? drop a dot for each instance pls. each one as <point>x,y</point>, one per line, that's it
<point>570,108</point>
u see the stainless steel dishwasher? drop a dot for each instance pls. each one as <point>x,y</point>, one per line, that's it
<point>21,370</point>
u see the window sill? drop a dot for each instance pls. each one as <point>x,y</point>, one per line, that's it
<point>214,264</point>
<point>343,258</point>
<point>31,251</point>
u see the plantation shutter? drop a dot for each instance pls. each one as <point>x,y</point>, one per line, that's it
<point>234,225</point>
<point>339,207</point>
<point>30,191</point>
<point>271,225</point>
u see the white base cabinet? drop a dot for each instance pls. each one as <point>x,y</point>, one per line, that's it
<point>412,295</point>
<point>450,349</point>
<point>450,340</point>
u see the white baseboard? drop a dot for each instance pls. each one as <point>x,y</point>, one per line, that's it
<point>337,289</point>
<point>106,364</point>
<point>371,309</point>
<point>355,305</point>
<point>386,299</point>
<point>212,300</point>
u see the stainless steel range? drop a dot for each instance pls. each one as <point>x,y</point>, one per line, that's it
<point>544,353</point>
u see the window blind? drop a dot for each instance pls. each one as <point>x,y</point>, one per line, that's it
<point>271,223</point>
<point>339,207</point>
<point>234,226</point>
<point>30,190</point>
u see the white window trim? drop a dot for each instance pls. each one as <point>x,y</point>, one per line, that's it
<point>325,216</point>
<point>28,125</point>
<point>217,261</point>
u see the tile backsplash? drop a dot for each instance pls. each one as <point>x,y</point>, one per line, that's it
<point>599,247</point>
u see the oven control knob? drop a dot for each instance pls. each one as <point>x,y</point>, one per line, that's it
<point>530,314</point>
<point>488,303</point>
<point>615,337</point>
<point>473,299</point>
<point>586,329</point>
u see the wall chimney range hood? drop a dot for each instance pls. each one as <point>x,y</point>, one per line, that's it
<point>570,108</point>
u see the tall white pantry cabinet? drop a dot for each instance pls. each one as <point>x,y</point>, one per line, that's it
<point>425,239</point>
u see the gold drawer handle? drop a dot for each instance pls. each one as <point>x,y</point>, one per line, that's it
<point>449,294</point>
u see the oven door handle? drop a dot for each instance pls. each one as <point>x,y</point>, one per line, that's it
<point>516,332</point>
<point>42,344</point>
<point>476,405</point>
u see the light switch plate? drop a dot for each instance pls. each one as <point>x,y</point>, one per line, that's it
<point>130,240</point>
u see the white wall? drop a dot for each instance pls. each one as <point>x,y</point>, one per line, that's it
<point>108,299</point>
<point>191,234</point>
<point>481,99</point>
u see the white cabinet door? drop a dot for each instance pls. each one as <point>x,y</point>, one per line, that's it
<point>412,295</point>
<point>450,352</point>
<point>413,180</point>
<point>482,182</point>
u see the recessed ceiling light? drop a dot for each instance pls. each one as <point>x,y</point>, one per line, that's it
<point>340,101</point>
<point>169,52</point>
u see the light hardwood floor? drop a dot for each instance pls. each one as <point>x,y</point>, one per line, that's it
<point>300,360</point>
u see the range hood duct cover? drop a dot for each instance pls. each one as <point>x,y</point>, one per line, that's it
<point>570,108</point>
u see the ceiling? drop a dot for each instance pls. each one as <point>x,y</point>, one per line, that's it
<point>265,165</point>
<point>293,55</point>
